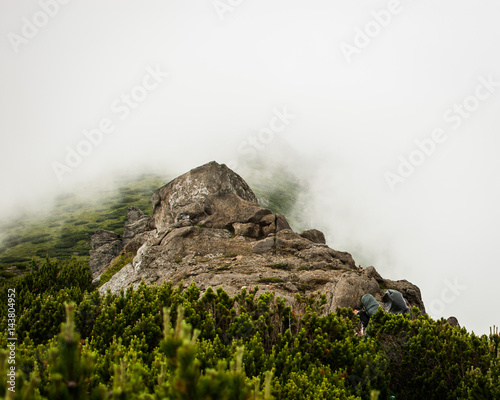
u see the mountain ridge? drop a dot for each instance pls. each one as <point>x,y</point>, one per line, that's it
<point>208,228</point>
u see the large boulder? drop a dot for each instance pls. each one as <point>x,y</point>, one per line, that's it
<point>453,321</point>
<point>137,223</point>
<point>211,195</point>
<point>104,246</point>
<point>314,236</point>
<point>347,289</point>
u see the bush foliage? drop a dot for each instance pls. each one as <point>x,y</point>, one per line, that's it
<point>166,342</point>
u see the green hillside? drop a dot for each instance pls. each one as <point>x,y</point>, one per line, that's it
<point>169,343</point>
<point>64,231</point>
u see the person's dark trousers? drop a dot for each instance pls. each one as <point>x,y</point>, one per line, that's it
<point>363,316</point>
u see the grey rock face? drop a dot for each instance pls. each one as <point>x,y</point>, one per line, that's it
<point>137,223</point>
<point>203,196</point>
<point>314,236</point>
<point>104,246</point>
<point>348,288</point>
<point>281,223</point>
<point>453,321</point>
<point>264,246</point>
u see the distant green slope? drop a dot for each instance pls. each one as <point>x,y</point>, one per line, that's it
<point>278,190</point>
<point>64,232</point>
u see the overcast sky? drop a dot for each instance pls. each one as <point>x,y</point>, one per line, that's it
<point>387,109</point>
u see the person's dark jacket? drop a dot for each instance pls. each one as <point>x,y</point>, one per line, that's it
<point>370,304</point>
<point>394,302</point>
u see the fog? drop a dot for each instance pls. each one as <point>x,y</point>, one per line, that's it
<point>386,110</point>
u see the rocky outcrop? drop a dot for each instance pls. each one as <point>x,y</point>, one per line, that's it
<point>314,236</point>
<point>208,228</point>
<point>348,289</point>
<point>104,246</point>
<point>453,321</point>
<point>137,223</point>
<point>211,195</point>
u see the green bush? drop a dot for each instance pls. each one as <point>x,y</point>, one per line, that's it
<point>270,280</point>
<point>222,347</point>
<point>282,266</point>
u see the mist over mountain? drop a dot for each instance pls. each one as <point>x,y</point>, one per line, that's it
<point>387,118</point>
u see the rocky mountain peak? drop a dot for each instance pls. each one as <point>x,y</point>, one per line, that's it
<point>211,195</point>
<point>207,227</point>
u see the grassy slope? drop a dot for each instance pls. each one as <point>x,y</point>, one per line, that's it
<point>277,190</point>
<point>64,232</point>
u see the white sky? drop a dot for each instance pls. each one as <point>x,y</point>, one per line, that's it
<point>227,76</point>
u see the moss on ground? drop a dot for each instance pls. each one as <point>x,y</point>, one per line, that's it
<point>116,265</point>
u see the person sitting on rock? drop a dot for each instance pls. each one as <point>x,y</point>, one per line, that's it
<point>370,306</point>
<point>394,302</point>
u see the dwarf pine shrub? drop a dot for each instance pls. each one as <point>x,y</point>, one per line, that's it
<point>166,342</point>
